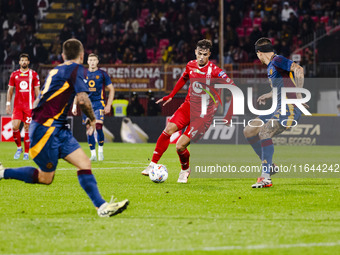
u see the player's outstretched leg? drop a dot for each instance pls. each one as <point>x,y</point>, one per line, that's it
<point>253,138</point>
<point>184,155</point>
<point>92,144</point>
<point>17,140</point>
<point>161,146</point>
<point>88,182</point>
<point>100,138</point>
<point>27,174</point>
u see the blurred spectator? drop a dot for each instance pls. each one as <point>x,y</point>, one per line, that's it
<point>65,34</point>
<point>135,108</point>
<point>286,11</point>
<point>256,34</point>
<point>140,56</point>
<point>117,29</point>
<point>128,56</point>
<point>55,50</point>
<point>293,23</point>
<point>119,106</point>
<point>39,53</point>
<point>153,108</point>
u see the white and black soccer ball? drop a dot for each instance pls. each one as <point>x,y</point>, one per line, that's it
<point>158,174</point>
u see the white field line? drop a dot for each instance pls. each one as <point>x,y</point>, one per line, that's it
<point>100,168</point>
<point>219,248</point>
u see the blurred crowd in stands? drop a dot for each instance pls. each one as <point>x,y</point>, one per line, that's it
<point>166,31</point>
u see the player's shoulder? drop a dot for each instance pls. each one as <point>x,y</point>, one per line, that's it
<point>279,59</point>
<point>15,72</point>
<point>192,63</point>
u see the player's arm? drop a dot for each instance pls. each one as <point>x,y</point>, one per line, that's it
<point>86,107</point>
<point>9,99</point>
<point>108,106</point>
<point>36,91</point>
<point>180,83</point>
<point>74,106</point>
<point>299,79</point>
<point>299,76</point>
<point>262,99</point>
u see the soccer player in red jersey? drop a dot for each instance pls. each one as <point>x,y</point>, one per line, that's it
<point>197,70</point>
<point>26,83</point>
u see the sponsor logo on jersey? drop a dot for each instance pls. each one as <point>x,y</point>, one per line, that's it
<point>23,74</point>
<point>197,87</point>
<point>271,71</point>
<point>23,85</point>
<point>198,71</point>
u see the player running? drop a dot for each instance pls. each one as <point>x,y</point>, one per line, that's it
<point>51,137</point>
<point>200,72</point>
<point>98,81</point>
<point>26,83</point>
<point>282,72</point>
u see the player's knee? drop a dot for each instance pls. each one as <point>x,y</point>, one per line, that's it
<point>44,178</point>
<point>170,129</point>
<point>86,164</point>
<point>247,132</point>
<point>180,147</point>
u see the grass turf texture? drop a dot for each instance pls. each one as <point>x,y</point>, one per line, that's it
<point>214,216</point>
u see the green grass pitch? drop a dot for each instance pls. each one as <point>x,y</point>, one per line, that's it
<point>205,216</point>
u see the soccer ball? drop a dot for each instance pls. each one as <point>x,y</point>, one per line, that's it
<point>158,174</point>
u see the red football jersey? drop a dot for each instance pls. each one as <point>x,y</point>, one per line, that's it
<point>202,80</point>
<point>24,83</point>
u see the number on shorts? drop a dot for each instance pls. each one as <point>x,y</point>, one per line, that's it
<point>28,119</point>
<point>192,133</point>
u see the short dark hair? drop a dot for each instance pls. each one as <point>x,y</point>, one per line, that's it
<point>263,41</point>
<point>204,44</point>
<point>24,55</point>
<point>93,55</point>
<point>72,49</point>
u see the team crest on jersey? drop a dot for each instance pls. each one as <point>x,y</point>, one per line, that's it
<point>97,77</point>
<point>222,74</point>
<point>198,71</point>
<point>92,83</point>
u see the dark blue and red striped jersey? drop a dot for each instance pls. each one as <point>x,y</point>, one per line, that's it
<point>57,95</point>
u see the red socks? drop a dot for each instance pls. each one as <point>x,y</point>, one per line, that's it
<point>184,158</point>
<point>17,137</point>
<point>161,146</point>
<point>27,142</point>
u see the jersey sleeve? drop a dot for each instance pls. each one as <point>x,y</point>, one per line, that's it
<point>107,79</point>
<point>180,83</point>
<point>11,82</point>
<point>80,84</point>
<point>36,80</point>
<point>282,62</point>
